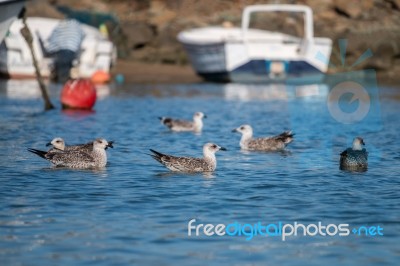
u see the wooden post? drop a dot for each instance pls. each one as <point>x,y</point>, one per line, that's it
<point>26,33</point>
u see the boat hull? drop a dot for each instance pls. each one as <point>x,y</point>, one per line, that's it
<point>211,62</point>
<point>96,52</point>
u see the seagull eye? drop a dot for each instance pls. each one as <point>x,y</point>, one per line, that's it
<point>57,141</point>
<point>241,128</point>
<point>214,146</point>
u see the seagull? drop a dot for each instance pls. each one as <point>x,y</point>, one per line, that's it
<point>79,158</point>
<point>59,145</point>
<point>273,143</point>
<point>182,125</point>
<point>356,157</point>
<point>189,164</point>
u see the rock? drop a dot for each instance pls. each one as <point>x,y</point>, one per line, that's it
<point>138,34</point>
<point>171,55</point>
<point>326,15</point>
<point>353,8</point>
<point>384,56</point>
<point>159,13</point>
<point>395,3</point>
<point>37,9</point>
<point>147,54</point>
<point>380,64</point>
<point>319,6</point>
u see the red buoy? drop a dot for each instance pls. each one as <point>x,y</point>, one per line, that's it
<point>78,94</point>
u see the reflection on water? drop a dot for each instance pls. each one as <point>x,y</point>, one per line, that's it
<point>21,89</point>
<point>103,90</point>
<point>246,92</point>
<point>78,113</point>
<point>136,212</point>
<point>236,91</point>
<point>170,174</point>
<point>29,89</point>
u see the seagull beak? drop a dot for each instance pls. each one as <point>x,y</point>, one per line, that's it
<point>48,144</point>
<point>222,149</point>
<point>110,144</point>
<point>234,130</point>
<point>362,142</point>
<point>204,116</point>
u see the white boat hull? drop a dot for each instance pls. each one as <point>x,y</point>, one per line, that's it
<point>96,53</point>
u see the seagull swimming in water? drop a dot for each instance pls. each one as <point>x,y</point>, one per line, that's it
<point>182,125</point>
<point>273,143</point>
<point>355,158</point>
<point>59,145</point>
<point>78,158</point>
<point>188,164</point>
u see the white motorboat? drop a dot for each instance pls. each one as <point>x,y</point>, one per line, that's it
<point>246,54</point>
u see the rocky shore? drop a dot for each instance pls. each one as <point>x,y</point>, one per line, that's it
<point>147,29</point>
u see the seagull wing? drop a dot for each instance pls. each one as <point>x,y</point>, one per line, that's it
<point>73,159</point>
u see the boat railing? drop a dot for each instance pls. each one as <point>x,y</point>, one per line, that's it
<point>308,37</point>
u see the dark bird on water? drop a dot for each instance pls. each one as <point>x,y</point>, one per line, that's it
<point>355,158</point>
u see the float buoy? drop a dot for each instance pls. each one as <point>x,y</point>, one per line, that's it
<point>100,77</point>
<point>78,94</point>
<point>119,78</point>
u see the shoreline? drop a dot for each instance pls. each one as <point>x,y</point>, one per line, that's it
<point>156,73</point>
<point>146,73</point>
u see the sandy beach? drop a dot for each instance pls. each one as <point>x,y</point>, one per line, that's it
<point>137,72</point>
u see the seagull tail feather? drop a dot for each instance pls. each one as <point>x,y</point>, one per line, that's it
<point>38,152</point>
<point>157,155</point>
<point>286,137</point>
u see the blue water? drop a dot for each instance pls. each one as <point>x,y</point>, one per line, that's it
<point>135,212</point>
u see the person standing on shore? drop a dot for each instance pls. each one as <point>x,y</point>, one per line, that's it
<point>64,45</point>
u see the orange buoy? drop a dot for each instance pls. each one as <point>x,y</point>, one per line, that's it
<point>78,94</point>
<point>100,77</point>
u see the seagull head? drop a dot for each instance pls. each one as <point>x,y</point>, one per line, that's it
<point>102,144</point>
<point>358,143</point>
<point>57,143</point>
<point>199,116</point>
<point>212,148</point>
<point>245,130</point>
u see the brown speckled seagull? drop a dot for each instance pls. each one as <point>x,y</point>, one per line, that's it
<point>188,164</point>
<point>273,143</point>
<point>59,145</point>
<point>182,125</point>
<point>80,158</point>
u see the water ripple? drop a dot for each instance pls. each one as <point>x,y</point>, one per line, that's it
<point>136,212</point>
